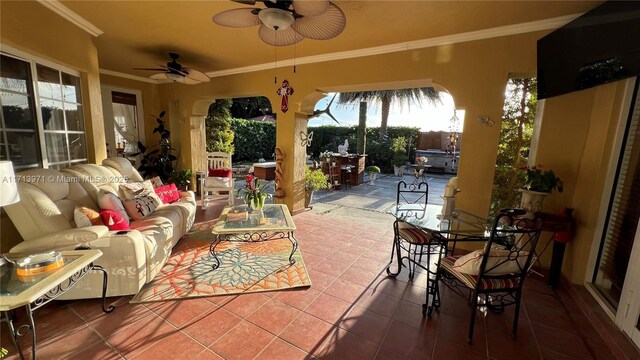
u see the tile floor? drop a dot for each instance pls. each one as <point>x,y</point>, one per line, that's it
<point>352,311</point>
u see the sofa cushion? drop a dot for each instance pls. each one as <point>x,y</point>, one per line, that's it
<point>138,189</point>
<point>167,193</point>
<point>123,167</point>
<point>107,200</point>
<point>141,207</point>
<point>85,217</point>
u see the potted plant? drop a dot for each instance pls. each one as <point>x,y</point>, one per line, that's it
<point>254,193</point>
<point>399,148</point>
<point>182,178</point>
<point>313,180</point>
<point>157,159</point>
<point>537,185</point>
<point>373,171</point>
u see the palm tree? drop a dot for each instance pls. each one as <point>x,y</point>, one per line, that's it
<point>386,98</point>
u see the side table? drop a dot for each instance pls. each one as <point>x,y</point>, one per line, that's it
<point>41,289</point>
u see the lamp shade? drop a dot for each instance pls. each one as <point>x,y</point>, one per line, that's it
<point>8,184</point>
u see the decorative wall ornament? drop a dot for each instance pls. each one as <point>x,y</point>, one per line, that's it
<point>306,139</point>
<point>485,120</point>
<point>279,193</point>
<point>285,91</point>
<point>344,148</point>
<point>326,111</point>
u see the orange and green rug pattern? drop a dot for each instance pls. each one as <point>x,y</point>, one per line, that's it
<point>244,268</point>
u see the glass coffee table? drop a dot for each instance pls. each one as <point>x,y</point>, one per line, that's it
<point>35,291</point>
<point>272,222</point>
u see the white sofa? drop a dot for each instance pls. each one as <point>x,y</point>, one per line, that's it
<point>44,218</point>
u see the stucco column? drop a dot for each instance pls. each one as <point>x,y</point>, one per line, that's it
<point>288,128</point>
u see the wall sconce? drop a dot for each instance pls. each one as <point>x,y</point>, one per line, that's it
<point>485,120</point>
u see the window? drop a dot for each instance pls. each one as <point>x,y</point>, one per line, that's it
<point>42,127</point>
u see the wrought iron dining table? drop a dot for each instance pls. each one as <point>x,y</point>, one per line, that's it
<point>441,231</point>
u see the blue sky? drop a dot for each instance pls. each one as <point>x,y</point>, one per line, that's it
<point>427,117</point>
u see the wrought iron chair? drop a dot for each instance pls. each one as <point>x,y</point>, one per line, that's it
<point>493,277</point>
<point>219,183</point>
<point>412,198</point>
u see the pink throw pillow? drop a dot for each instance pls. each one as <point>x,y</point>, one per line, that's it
<point>113,220</point>
<point>167,193</point>
<point>220,173</point>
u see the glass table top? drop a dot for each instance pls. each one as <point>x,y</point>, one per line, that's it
<point>460,222</point>
<point>272,217</point>
<point>11,284</point>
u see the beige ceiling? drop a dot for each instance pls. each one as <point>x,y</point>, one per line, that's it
<point>141,33</point>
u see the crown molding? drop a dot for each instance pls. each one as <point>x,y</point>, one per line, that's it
<point>60,9</point>
<point>130,77</point>
<point>532,26</point>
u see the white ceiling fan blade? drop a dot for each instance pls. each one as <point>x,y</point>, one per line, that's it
<point>325,26</point>
<point>160,76</point>
<point>196,75</point>
<point>279,37</point>
<point>310,7</point>
<point>238,18</point>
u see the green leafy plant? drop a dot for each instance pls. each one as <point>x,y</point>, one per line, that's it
<point>182,178</point>
<point>542,181</point>
<point>372,169</point>
<point>158,160</point>
<point>399,149</point>
<point>253,192</point>
<point>315,180</point>
<point>218,127</point>
<point>253,140</point>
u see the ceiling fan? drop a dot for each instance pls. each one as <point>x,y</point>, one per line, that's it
<point>286,22</point>
<point>176,72</point>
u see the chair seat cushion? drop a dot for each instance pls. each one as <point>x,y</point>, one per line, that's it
<point>220,173</point>
<point>217,182</point>
<point>448,264</point>
<point>413,235</point>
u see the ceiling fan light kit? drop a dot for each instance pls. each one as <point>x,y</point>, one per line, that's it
<point>286,22</point>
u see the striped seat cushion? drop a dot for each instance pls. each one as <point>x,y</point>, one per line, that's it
<point>447,264</point>
<point>414,235</point>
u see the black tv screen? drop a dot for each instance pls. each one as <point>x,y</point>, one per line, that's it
<point>599,47</point>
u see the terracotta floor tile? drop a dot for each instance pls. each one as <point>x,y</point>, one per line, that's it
<point>210,328</point>
<point>97,351</point>
<point>372,265</point>
<point>307,332</point>
<point>389,286</point>
<point>503,347</point>
<point>552,355</point>
<point>408,341</point>
<point>182,312</point>
<point>331,267</point>
<point>411,314</point>
<point>366,324</point>
<point>344,256</point>
<point>360,276</point>
<point>366,242</point>
<point>62,345</point>
<point>560,341</point>
<point>281,350</point>
<point>502,325</point>
<point>245,304</point>
<point>274,316</point>
<point>345,290</point>
<point>598,349</point>
<point>445,349</point>
<point>135,338</point>
<point>415,294</point>
<point>52,320</point>
<point>244,341</point>
<point>90,309</point>
<point>298,298</point>
<point>320,281</point>
<point>377,255</point>
<point>207,354</point>
<point>321,250</point>
<point>384,354</point>
<point>554,319</point>
<point>457,331</point>
<point>177,343</point>
<point>311,259</point>
<point>328,308</point>
<point>341,344</point>
<point>378,302</point>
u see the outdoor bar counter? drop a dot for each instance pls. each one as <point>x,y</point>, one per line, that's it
<point>357,163</point>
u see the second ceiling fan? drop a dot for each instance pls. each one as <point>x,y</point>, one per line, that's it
<point>286,22</point>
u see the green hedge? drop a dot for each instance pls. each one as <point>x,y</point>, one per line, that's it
<point>255,139</point>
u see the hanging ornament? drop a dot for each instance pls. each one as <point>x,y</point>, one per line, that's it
<point>285,90</point>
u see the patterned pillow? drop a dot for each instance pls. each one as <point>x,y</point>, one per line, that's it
<point>156,182</point>
<point>113,220</point>
<point>168,193</point>
<point>141,207</point>
<point>497,263</point>
<point>134,190</point>
<point>110,201</point>
<point>84,216</point>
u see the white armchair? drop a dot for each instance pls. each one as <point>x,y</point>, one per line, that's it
<point>219,180</point>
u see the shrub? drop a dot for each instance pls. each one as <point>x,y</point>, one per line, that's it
<point>219,136</point>
<point>253,140</point>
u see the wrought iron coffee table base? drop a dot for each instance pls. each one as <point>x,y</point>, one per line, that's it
<point>253,237</point>
<point>54,293</point>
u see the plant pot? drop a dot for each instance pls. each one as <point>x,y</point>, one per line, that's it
<point>308,198</point>
<point>532,201</point>
<point>398,170</point>
<point>372,178</point>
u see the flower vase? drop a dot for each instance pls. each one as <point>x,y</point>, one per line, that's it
<point>257,202</point>
<point>532,201</point>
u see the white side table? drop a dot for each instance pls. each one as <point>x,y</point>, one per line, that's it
<point>42,289</point>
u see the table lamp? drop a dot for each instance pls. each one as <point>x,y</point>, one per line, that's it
<point>8,184</point>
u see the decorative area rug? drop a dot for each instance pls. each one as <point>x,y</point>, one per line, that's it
<point>244,268</point>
